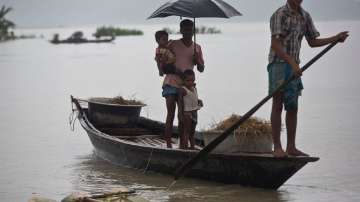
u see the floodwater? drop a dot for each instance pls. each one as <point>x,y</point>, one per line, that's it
<point>39,154</point>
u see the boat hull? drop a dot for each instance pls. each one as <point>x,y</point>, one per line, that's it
<point>263,171</point>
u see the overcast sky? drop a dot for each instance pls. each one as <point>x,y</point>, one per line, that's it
<point>53,13</point>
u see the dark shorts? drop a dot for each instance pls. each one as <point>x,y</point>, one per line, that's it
<point>169,91</point>
<point>280,72</point>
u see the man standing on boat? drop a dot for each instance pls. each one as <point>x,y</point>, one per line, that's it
<point>186,58</point>
<point>289,24</point>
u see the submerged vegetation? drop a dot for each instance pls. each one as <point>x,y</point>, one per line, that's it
<point>198,30</point>
<point>114,31</point>
<point>207,30</point>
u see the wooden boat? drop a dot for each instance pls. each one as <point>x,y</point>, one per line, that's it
<point>141,146</point>
<point>80,41</point>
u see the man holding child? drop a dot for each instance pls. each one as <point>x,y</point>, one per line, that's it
<point>185,58</point>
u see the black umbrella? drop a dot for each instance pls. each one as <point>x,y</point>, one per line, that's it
<point>196,9</point>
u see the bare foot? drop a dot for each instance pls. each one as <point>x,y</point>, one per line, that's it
<point>168,144</point>
<point>296,152</point>
<point>279,153</point>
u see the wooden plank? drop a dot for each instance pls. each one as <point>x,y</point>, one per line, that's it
<point>144,142</point>
<point>148,140</point>
<point>154,141</point>
<point>159,140</point>
<point>125,131</point>
<point>137,137</point>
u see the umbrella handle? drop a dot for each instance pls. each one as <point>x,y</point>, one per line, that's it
<point>199,67</point>
<point>194,30</point>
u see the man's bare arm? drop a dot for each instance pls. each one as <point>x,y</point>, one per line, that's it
<point>341,37</point>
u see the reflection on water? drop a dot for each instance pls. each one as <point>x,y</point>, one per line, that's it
<point>93,174</point>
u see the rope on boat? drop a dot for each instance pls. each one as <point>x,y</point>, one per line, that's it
<point>149,159</point>
<point>75,112</point>
<point>72,121</point>
<point>72,117</point>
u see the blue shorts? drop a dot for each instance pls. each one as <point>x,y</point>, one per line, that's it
<point>169,91</point>
<point>280,72</point>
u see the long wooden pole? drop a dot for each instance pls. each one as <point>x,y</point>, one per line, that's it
<point>207,149</point>
<point>194,30</point>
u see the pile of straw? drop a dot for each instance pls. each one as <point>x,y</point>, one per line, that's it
<point>253,126</point>
<point>117,100</point>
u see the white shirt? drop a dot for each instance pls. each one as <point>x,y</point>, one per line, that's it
<point>191,101</point>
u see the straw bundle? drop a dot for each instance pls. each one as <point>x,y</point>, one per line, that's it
<point>254,135</point>
<point>116,100</point>
<point>253,126</point>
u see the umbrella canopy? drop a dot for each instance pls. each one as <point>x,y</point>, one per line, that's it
<point>196,9</point>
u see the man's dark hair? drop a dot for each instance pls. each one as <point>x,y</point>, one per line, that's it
<point>186,23</point>
<point>159,34</point>
<point>188,72</point>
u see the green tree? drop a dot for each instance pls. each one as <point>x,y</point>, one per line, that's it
<point>5,24</point>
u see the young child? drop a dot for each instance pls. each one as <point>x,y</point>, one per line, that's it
<point>164,57</point>
<point>189,105</point>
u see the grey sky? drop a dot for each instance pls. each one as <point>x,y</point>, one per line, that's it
<point>52,13</point>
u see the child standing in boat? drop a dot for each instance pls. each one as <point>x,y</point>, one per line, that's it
<point>189,105</point>
<point>165,59</point>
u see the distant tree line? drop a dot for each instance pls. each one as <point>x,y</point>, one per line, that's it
<point>6,25</point>
<point>114,31</point>
<point>198,30</point>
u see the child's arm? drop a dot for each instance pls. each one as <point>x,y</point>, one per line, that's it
<point>161,73</point>
<point>159,65</point>
<point>158,62</point>
<point>171,55</point>
<point>181,95</point>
